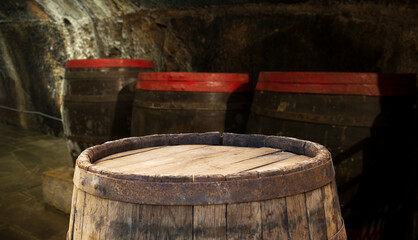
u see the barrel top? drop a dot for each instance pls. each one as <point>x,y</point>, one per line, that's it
<point>202,168</point>
<point>109,63</point>
<point>189,157</point>
<point>191,160</point>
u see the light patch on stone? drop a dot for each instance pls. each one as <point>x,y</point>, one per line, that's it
<point>13,74</point>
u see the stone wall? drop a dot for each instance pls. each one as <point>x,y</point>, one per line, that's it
<point>38,36</point>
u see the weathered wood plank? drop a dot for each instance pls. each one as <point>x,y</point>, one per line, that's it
<point>125,154</point>
<point>285,165</point>
<point>253,165</point>
<point>95,217</point>
<point>337,206</point>
<point>330,211</point>
<point>79,214</point>
<point>72,213</point>
<point>316,214</point>
<point>137,226</point>
<point>244,221</point>
<point>274,219</point>
<point>297,217</point>
<point>209,222</point>
<point>240,162</point>
<point>165,222</point>
<point>119,220</point>
<point>221,163</point>
<point>177,164</point>
<point>144,157</point>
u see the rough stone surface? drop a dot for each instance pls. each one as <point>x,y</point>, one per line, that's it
<point>38,36</point>
<point>57,188</point>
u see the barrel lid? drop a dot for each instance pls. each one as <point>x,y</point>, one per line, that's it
<point>193,82</point>
<point>368,84</point>
<point>109,63</point>
<point>190,169</point>
<point>198,160</point>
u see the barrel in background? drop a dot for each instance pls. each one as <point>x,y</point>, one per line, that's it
<point>177,102</point>
<point>97,100</point>
<point>366,121</point>
<point>205,186</point>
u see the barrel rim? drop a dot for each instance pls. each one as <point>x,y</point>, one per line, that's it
<point>345,83</point>
<point>204,189</point>
<point>194,82</point>
<point>318,154</point>
<point>109,63</point>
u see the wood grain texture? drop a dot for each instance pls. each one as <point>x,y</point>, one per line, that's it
<point>302,216</point>
<point>209,222</point>
<point>330,211</point>
<point>337,207</point>
<point>316,214</point>
<point>244,221</point>
<point>227,163</point>
<point>79,207</point>
<point>95,217</point>
<point>165,222</point>
<point>72,212</point>
<point>190,160</point>
<point>192,163</point>
<point>147,157</point>
<point>119,220</point>
<point>274,219</point>
<point>289,163</point>
<point>297,217</point>
<point>122,155</point>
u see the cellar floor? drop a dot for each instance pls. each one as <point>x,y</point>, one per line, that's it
<point>24,156</point>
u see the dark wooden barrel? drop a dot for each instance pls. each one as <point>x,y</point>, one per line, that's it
<point>205,186</point>
<point>365,120</point>
<point>176,102</point>
<point>97,100</point>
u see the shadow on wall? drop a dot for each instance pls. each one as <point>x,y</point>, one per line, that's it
<point>237,110</point>
<point>383,206</point>
<point>318,44</point>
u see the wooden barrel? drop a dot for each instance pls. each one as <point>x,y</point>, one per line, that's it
<point>176,102</point>
<point>205,186</point>
<point>97,100</point>
<point>365,120</point>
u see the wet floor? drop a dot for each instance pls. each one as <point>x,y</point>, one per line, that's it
<point>24,156</point>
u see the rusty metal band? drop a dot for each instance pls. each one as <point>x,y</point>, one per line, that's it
<point>203,193</point>
<point>341,234</point>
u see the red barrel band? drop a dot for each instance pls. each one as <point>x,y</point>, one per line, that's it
<point>109,63</point>
<point>194,82</point>
<point>368,84</point>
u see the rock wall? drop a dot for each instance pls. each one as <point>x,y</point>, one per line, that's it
<point>38,36</point>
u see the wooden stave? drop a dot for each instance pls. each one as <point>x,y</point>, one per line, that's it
<point>224,221</point>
